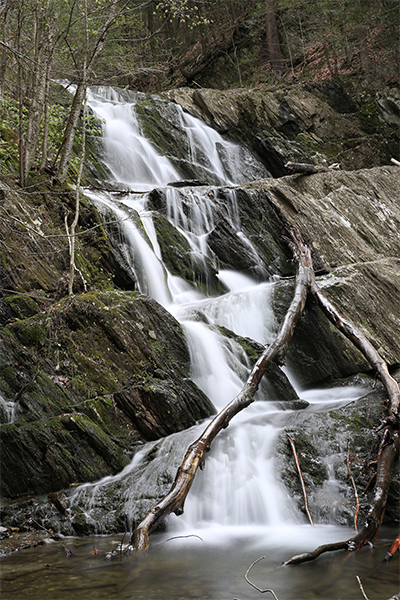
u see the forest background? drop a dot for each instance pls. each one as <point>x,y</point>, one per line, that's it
<point>151,46</point>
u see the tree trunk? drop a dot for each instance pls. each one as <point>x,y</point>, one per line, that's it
<point>44,49</point>
<point>274,48</point>
<point>175,499</point>
<point>69,133</point>
<point>65,152</point>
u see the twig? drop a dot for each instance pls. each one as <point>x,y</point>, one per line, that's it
<point>303,487</point>
<point>68,552</point>
<point>178,537</point>
<point>122,542</point>
<point>361,588</point>
<point>355,490</point>
<point>390,553</point>
<point>255,586</point>
<point>395,162</point>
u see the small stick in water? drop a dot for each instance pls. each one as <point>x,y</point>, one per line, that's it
<point>303,487</point>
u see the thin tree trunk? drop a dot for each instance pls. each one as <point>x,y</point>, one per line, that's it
<point>65,151</point>
<point>72,239</point>
<point>20,92</point>
<point>175,499</point>
<point>71,233</point>
<point>45,141</point>
<point>45,44</point>
<point>274,48</point>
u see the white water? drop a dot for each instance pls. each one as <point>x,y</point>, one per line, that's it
<point>238,488</point>
<point>7,410</point>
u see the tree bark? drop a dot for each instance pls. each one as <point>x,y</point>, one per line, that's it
<point>175,499</point>
<point>45,40</point>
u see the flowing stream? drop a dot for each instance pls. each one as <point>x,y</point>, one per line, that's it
<point>237,510</point>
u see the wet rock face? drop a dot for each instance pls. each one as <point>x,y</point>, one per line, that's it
<point>323,441</point>
<point>94,375</point>
<point>318,351</point>
<point>351,222</point>
<point>166,126</point>
<point>320,124</point>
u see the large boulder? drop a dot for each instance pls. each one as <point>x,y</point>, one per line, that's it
<point>351,222</point>
<point>91,377</point>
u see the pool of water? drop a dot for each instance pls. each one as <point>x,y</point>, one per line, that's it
<point>210,568</point>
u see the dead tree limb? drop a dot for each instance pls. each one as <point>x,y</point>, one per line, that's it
<point>307,169</point>
<point>303,487</point>
<point>390,553</point>
<point>362,588</point>
<point>389,451</point>
<point>361,342</point>
<point>194,458</point>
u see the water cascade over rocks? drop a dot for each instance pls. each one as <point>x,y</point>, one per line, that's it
<point>220,309</point>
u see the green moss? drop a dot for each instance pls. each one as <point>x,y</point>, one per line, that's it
<point>22,306</point>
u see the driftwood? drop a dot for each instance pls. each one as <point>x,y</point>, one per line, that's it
<point>307,169</point>
<point>194,458</point>
<point>353,483</point>
<point>256,586</point>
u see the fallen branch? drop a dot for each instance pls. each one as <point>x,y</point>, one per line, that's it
<point>307,169</point>
<point>303,487</point>
<point>361,588</point>
<point>307,556</point>
<point>195,455</point>
<point>115,191</point>
<point>390,553</point>
<point>389,451</point>
<point>255,586</point>
<point>179,537</point>
<point>361,342</point>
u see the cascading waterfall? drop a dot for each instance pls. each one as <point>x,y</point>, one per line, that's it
<point>238,486</point>
<point>7,410</point>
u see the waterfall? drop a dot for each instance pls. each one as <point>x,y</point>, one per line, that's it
<point>238,486</point>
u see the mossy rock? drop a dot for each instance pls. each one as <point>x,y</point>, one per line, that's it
<point>181,260</point>
<point>94,353</point>
<point>50,454</point>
